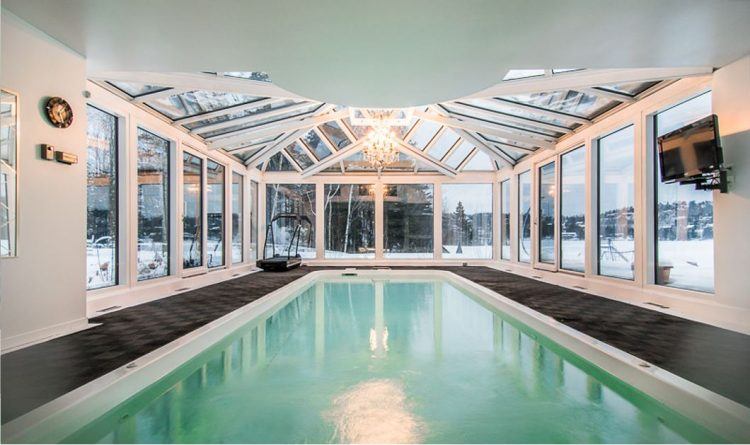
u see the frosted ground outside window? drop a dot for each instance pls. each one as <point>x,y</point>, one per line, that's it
<point>290,198</point>
<point>573,210</point>
<point>524,217</point>
<point>546,216</point>
<point>616,244</point>
<point>237,213</point>
<point>349,221</point>
<point>467,221</point>
<point>684,216</point>
<point>192,211</point>
<point>101,199</point>
<point>505,219</point>
<point>408,223</point>
<point>215,210</point>
<point>152,257</point>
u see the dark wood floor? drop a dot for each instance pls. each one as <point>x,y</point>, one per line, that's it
<point>714,358</point>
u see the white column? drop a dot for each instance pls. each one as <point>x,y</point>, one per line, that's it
<point>438,220</point>
<point>320,248</point>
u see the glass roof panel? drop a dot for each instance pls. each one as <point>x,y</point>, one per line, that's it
<point>480,162</point>
<point>359,131</point>
<point>250,111</point>
<point>567,101</point>
<point>459,154</point>
<point>278,163</point>
<point>297,153</point>
<point>443,144</point>
<point>522,74</point>
<point>197,102</point>
<point>508,108</point>
<point>335,134</point>
<point>423,134</point>
<point>498,120</point>
<point>245,155</point>
<point>316,145</point>
<point>261,120</point>
<point>134,89</point>
<point>250,142</point>
<point>400,131</point>
<point>630,89</point>
<point>251,75</point>
<point>500,140</point>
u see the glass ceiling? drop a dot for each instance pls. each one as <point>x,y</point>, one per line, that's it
<point>299,134</point>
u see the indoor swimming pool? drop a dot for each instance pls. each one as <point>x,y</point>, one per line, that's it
<point>395,360</point>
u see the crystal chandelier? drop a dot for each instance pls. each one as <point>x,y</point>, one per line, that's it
<point>380,146</point>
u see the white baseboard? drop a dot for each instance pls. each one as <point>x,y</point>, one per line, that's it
<point>118,298</point>
<point>21,341</point>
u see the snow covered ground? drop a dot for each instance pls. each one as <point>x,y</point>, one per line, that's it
<point>691,261</point>
<point>469,252</point>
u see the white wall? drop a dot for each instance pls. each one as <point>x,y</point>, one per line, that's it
<point>731,102</point>
<point>44,294</point>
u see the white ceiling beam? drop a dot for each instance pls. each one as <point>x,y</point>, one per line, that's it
<point>576,80</point>
<point>335,158</point>
<point>408,150</point>
<point>500,127</point>
<point>512,147</point>
<point>273,128</point>
<point>271,149</point>
<point>484,128</point>
<point>606,94</point>
<point>198,81</point>
<point>254,117</point>
<point>228,110</point>
<point>494,115</point>
<point>468,159</point>
<point>544,111</point>
<point>291,160</point>
<point>495,155</point>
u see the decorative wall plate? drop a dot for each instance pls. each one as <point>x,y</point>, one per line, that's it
<point>59,112</point>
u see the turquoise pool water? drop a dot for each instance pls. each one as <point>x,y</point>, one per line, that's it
<point>389,362</point>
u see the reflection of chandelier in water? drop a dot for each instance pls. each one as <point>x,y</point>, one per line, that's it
<point>380,147</point>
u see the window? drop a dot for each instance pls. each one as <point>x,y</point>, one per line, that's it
<point>408,221</point>
<point>153,206</point>
<point>192,212</point>
<point>215,214</point>
<point>524,217</point>
<point>616,248</point>
<point>546,216</point>
<point>684,216</point>
<point>467,220</point>
<point>573,210</point>
<point>101,199</point>
<point>8,172</point>
<point>349,220</point>
<point>237,217</point>
<point>505,219</point>
<point>253,244</point>
<point>290,198</point>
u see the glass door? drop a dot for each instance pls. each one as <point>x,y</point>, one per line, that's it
<point>546,229</point>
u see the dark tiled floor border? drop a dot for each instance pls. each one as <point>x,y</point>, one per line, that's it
<point>712,357</point>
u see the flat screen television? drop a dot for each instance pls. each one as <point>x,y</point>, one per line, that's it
<point>691,150</point>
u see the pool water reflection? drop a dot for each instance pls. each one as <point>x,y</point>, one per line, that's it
<point>367,361</point>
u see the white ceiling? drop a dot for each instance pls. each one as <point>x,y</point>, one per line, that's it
<point>390,53</point>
